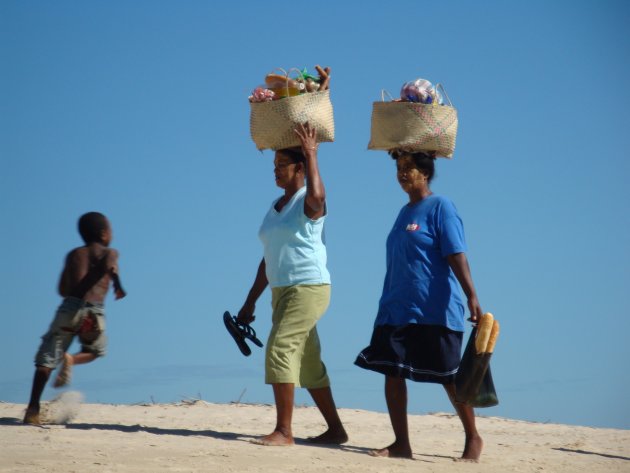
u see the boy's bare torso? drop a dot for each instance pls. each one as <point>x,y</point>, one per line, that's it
<point>87,272</point>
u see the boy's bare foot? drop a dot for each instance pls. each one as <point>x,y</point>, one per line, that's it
<point>65,372</point>
<point>32,417</point>
<point>274,439</point>
<point>472,450</point>
<point>393,451</point>
<point>330,437</point>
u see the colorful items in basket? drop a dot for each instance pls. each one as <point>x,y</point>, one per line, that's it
<point>279,86</point>
<point>420,91</point>
<point>283,86</point>
<point>260,94</point>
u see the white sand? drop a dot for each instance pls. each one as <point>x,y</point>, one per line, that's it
<point>203,437</point>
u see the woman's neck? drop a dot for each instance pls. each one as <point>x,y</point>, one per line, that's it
<point>289,192</point>
<point>416,195</point>
<point>292,188</point>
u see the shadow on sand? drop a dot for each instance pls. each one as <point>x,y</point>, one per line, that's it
<point>584,452</point>
<point>159,431</point>
<point>422,457</point>
<point>12,421</point>
<point>345,447</point>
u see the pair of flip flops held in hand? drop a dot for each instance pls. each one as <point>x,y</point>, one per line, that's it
<point>240,332</point>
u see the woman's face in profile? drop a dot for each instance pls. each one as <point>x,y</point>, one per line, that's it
<point>284,169</point>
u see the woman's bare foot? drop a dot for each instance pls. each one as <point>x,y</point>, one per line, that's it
<point>472,449</point>
<point>330,437</point>
<point>274,439</point>
<point>393,451</point>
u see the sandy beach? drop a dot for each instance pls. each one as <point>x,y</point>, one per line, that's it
<point>196,436</point>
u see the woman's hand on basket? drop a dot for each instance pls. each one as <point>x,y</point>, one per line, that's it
<point>308,137</point>
<point>324,78</point>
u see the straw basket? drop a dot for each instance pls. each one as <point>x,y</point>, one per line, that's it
<point>272,124</point>
<point>414,127</point>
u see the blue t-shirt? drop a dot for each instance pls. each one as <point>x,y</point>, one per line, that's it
<point>420,287</point>
<point>294,248</point>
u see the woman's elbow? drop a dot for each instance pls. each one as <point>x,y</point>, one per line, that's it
<point>317,199</point>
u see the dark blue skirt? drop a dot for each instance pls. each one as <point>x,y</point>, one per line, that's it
<point>424,353</point>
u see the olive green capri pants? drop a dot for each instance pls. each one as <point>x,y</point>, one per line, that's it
<point>293,350</point>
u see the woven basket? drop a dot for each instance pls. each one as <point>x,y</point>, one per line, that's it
<point>272,124</point>
<point>413,127</point>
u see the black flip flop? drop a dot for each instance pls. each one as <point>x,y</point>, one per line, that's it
<point>238,336</point>
<point>249,332</point>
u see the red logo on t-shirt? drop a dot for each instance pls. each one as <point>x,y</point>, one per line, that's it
<point>412,227</point>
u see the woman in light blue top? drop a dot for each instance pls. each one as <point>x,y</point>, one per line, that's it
<point>294,265</point>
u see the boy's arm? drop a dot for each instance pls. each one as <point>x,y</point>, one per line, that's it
<point>64,279</point>
<point>112,269</point>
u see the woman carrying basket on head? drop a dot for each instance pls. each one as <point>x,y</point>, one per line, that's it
<point>294,265</point>
<point>419,326</point>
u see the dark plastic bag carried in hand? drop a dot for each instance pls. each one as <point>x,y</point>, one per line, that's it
<point>487,394</point>
<point>473,384</point>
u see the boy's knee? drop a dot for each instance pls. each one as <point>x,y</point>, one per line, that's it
<point>47,361</point>
<point>95,352</point>
<point>43,369</point>
<point>98,347</point>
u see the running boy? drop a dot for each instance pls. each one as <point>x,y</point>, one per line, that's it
<point>83,285</point>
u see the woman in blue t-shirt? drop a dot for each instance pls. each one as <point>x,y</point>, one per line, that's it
<point>294,266</point>
<point>420,322</point>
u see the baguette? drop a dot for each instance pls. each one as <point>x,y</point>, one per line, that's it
<point>494,334</point>
<point>484,328</point>
<point>324,77</point>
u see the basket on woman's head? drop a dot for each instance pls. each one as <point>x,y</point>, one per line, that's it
<point>284,102</point>
<point>418,121</point>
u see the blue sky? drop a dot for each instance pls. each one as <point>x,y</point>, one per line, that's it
<point>139,110</point>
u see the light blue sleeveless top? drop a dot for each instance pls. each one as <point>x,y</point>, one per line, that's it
<point>294,248</point>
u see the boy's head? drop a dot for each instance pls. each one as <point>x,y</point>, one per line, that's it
<point>94,228</point>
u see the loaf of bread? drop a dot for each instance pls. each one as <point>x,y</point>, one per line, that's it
<point>484,329</point>
<point>494,334</point>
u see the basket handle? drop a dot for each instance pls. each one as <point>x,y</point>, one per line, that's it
<point>383,92</point>
<point>285,74</point>
<point>439,85</point>
<point>300,75</point>
<point>444,93</point>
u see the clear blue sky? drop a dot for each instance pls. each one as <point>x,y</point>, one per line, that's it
<point>139,110</point>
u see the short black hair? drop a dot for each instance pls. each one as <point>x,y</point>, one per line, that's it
<point>91,226</point>
<point>424,161</point>
<point>294,154</point>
